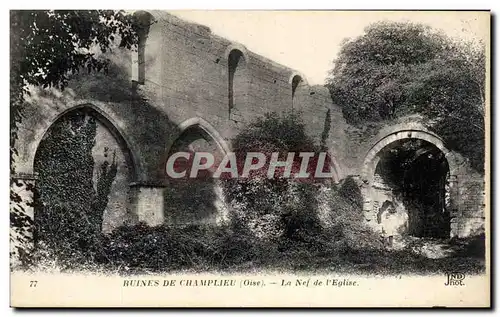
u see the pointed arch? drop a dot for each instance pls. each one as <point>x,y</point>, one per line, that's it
<point>236,63</point>
<point>82,161</point>
<point>107,121</point>
<point>207,128</point>
<point>237,78</point>
<point>195,135</point>
<point>296,81</point>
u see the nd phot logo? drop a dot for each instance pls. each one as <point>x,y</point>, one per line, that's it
<point>455,279</point>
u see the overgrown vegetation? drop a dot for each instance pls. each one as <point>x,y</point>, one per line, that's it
<point>275,225</point>
<point>396,69</point>
<point>69,209</point>
<point>142,249</point>
<point>391,71</point>
<point>46,48</point>
<point>276,207</point>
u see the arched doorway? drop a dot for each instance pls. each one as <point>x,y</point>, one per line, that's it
<point>83,169</point>
<point>191,200</point>
<point>411,172</point>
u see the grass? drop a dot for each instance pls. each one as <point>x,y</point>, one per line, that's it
<point>142,250</point>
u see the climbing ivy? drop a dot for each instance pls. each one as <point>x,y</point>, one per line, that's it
<point>69,209</point>
<point>46,47</point>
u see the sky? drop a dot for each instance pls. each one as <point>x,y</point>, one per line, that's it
<point>308,41</point>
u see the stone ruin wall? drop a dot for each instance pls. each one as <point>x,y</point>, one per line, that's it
<point>181,82</point>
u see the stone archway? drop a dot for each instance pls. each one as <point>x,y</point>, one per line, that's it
<point>376,191</point>
<point>108,123</point>
<point>207,128</point>
<point>83,169</point>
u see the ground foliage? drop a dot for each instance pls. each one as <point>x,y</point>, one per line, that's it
<point>398,68</point>
<point>142,249</point>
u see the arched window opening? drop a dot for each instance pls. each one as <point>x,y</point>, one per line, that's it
<point>143,24</point>
<point>296,82</point>
<point>237,87</point>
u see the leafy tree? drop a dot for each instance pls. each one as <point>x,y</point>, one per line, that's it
<point>396,69</point>
<point>279,207</point>
<point>46,47</point>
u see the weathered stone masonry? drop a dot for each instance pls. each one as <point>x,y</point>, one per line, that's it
<point>186,85</point>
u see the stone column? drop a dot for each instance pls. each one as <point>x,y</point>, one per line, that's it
<point>148,203</point>
<point>370,206</point>
<point>22,214</point>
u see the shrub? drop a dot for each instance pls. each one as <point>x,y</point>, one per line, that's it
<point>346,223</point>
<point>167,248</point>
<point>278,207</point>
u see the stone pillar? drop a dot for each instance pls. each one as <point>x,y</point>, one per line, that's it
<point>22,216</point>
<point>367,203</point>
<point>148,203</point>
<point>454,204</point>
<point>471,206</point>
<point>222,216</point>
